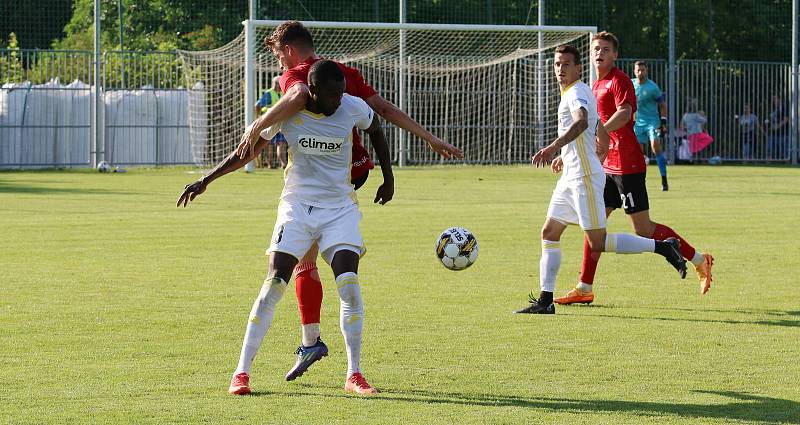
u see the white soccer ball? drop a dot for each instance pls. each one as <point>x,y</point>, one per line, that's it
<point>457,248</point>
<point>104,167</point>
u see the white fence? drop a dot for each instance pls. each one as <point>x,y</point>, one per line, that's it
<point>145,118</point>
<point>48,125</point>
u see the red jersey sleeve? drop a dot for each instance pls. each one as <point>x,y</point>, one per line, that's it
<point>296,75</point>
<point>356,86</point>
<point>623,91</point>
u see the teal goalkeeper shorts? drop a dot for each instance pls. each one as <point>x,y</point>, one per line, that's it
<point>646,133</point>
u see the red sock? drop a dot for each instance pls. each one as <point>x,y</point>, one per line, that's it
<point>589,263</point>
<point>309,292</point>
<point>663,232</point>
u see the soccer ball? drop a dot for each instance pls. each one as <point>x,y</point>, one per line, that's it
<point>457,248</point>
<point>104,167</point>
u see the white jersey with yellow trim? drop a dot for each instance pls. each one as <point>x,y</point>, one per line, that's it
<point>320,151</point>
<point>579,156</point>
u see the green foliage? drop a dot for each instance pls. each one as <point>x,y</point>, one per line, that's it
<point>124,309</point>
<point>134,70</point>
<point>10,62</point>
<point>66,67</point>
<point>206,38</point>
<point>706,29</point>
<point>150,24</point>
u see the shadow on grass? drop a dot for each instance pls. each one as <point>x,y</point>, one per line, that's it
<point>783,318</point>
<point>743,407</point>
<point>10,187</point>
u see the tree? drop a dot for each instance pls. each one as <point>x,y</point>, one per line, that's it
<point>10,62</point>
<point>155,24</point>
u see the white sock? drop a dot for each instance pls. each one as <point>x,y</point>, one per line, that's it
<point>351,318</point>
<point>584,287</point>
<point>698,258</point>
<point>310,334</point>
<point>549,265</point>
<point>260,319</point>
<point>624,243</point>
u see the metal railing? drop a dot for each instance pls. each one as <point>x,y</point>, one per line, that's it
<point>721,91</point>
<point>46,108</point>
<point>146,119</point>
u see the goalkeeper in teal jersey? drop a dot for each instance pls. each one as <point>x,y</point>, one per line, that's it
<point>651,116</point>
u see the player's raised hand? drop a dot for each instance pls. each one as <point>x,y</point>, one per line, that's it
<point>385,193</point>
<point>543,157</point>
<point>190,192</point>
<point>445,149</point>
<point>557,165</point>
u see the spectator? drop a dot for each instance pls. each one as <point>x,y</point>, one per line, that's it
<point>693,126</point>
<point>269,98</point>
<point>693,121</point>
<point>777,125</point>
<point>748,123</point>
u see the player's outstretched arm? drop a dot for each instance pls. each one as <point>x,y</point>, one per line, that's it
<point>231,163</point>
<point>394,115</point>
<point>378,140</point>
<point>580,123</point>
<point>291,103</point>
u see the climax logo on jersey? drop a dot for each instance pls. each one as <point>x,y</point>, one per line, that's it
<point>319,145</point>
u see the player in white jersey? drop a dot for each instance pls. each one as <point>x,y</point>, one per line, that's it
<point>318,204</point>
<point>578,196</point>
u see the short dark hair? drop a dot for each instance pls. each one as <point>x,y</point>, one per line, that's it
<point>290,32</point>
<point>568,48</point>
<point>607,36</point>
<point>323,71</point>
<point>640,63</point>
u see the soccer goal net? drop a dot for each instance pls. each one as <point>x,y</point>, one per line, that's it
<point>490,90</point>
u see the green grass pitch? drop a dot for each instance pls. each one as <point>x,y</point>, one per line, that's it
<point>117,307</point>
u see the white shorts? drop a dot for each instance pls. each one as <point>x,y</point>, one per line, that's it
<point>580,201</point>
<point>299,225</point>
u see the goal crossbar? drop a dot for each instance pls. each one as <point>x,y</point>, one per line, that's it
<point>435,27</point>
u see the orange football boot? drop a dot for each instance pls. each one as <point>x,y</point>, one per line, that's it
<point>704,272</point>
<point>575,296</point>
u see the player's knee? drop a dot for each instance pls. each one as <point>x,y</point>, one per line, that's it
<point>349,291</point>
<point>281,265</point>
<point>272,291</point>
<point>597,244</point>
<point>656,147</point>
<point>343,259</point>
<point>643,231</point>
<point>281,273</point>
<point>549,233</point>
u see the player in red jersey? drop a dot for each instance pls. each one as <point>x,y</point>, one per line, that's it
<point>625,170</point>
<point>293,47</point>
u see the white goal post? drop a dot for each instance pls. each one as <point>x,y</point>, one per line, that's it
<point>488,89</point>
